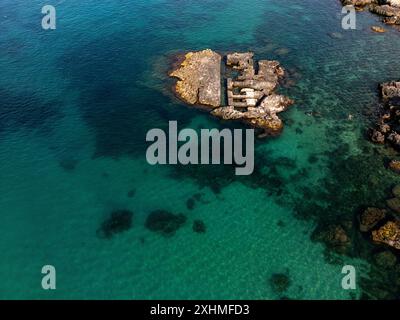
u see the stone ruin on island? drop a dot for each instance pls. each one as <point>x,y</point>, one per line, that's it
<point>250,93</point>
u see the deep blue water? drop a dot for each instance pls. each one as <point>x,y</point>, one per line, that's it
<point>75,106</point>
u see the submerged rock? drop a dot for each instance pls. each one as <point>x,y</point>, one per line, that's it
<point>279,282</point>
<point>335,237</point>
<point>199,78</point>
<point>164,222</point>
<point>119,221</point>
<point>394,204</point>
<point>385,259</point>
<point>190,203</point>
<point>199,226</point>
<point>370,218</point>
<point>396,191</point>
<point>394,165</point>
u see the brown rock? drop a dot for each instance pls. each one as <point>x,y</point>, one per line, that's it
<point>396,191</point>
<point>390,90</point>
<point>370,217</point>
<point>394,165</point>
<point>394,139</point>
<point>378,29</point>
<point>389,234</point>
<point>199,78</point>
<point>394,204</point>
<point>335,237</point>
<point>377,137</point>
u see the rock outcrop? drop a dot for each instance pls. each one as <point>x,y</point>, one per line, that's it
<point>335,237</point>
<point>199,78</point>
<point>390,90</point>
<point>388,234</point>
<point>384,224</point>
<point>394,165</point>
<point>389,9</point>
<point>387,129</point>
<point>370,218</point>
<point>250,94</point>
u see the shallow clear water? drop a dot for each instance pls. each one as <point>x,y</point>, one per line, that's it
<point>87,93</point>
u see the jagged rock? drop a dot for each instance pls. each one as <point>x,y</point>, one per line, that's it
<point>394,165</point>
<point>389,9</point>
<point>394,138</point>
<point>394,204</point>
<point>391,13</point>
<point>250,92</point>
<point>370,218</point>
<point>384,128</point>
<point>388,234</point>
<point>385,259</point>
<point>377,137</point>
<point>264,116</point>
<point>199,78</point>
<point>393,3</point>
<point>390,89</point>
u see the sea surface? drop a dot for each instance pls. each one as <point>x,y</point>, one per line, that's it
<point>76,104</point>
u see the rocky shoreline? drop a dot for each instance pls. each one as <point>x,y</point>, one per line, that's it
<point>387,128</point>
<point>388,9</point>
<point>250,89</point>
<point>387,131</point>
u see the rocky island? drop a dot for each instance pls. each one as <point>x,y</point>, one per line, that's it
<point>389,9</point>
<point>249,89</point>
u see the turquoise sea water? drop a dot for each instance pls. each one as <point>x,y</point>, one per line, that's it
<point>75,106</point>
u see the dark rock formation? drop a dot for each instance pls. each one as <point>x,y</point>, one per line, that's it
<point>68,164</point>
<point>390,90</point>
<point>164,222</point>
<point>131,193</point>
<point>394,165</point>
<point>199,226</point>
<point>394,204</point>
<point>385,259</point>
<point>335,237</point>
<point>387,129</point>
<point>396,191</point>
<point>190,203</point>
<point>119,221</point>
<point>279,282</point>
<point>370,218</point>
